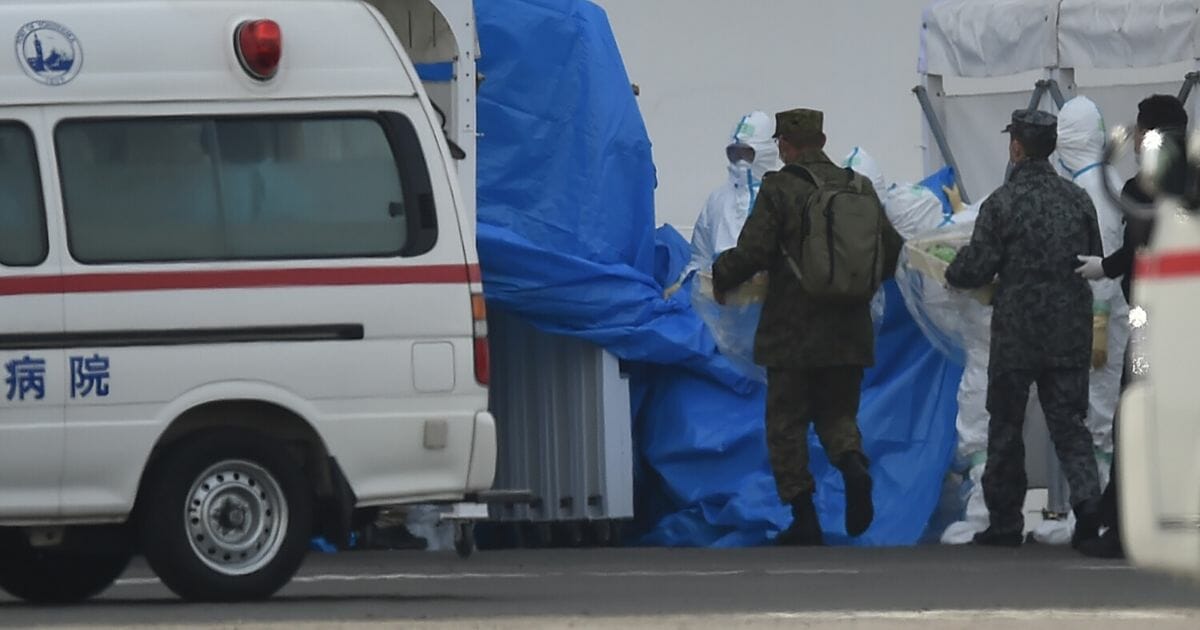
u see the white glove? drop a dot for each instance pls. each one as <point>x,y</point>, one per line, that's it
<point>1092,267</point>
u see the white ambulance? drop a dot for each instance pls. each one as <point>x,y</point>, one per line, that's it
<point>239,293</point>
<point>1159,431</point>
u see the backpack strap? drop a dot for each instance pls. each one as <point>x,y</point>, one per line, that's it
<point>855,181</point>
<point>805,174</point>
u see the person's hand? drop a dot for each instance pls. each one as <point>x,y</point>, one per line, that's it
<point>955,198</point>
<point>1092,267</point>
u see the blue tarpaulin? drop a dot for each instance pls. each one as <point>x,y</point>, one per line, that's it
<point>567,240</point>
<point>944,177</point>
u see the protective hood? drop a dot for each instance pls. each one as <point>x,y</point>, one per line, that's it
<point>862,163</point>
<point>755,130</point>
<point>728,207</point>
<point>1080,137</point>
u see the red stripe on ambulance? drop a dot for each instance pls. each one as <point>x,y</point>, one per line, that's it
<point>124,282</point>
<point>1167,266</point>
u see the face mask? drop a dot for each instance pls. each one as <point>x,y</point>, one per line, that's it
<point>743,176</point>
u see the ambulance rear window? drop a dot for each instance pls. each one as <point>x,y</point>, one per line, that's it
<point>23,240</point>
<point>201,189</point>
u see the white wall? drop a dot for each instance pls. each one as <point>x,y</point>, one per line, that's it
<point>702,64</point>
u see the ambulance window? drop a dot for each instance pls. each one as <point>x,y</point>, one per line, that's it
<point>23,241</point>
<point>172,190</point>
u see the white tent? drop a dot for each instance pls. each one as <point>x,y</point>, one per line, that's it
<point>995,44</point>
<point>990,39</point>
<point>974,38</point>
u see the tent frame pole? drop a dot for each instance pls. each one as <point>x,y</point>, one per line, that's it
<point>934,130</point>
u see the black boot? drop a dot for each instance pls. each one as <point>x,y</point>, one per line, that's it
<point>1087,523</point>
<point>805,530</point>
<point>860,509</point>
<point>992,538</point>
<point>1107,546</point>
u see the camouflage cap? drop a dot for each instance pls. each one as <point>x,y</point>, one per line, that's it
<point>1033,124</point>
<point>804,122</point>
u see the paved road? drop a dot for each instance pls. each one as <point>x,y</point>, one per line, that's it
<point>629,588</point>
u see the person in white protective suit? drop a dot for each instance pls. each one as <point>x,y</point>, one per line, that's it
<point>1081,139</point>
<point>916,212</point>
<point>971,423</point>
<point>911,208</point>
<point>752,153</point>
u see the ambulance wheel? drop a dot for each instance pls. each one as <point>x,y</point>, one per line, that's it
<point>57,575</point>
<point>228,517</point>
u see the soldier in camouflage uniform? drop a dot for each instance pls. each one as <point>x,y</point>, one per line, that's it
<point>1029,233</point>
<point>814,352</point>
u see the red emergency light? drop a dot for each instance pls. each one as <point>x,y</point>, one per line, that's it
<point>259,45</point>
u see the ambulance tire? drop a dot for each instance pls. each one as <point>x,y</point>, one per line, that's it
<point>257,508</point>
<point>57,575</point>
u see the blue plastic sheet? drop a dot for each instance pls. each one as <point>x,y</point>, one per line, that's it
<point>935,182</point>
<point>708,447</point>
<point>566,240</point>
<point>566,189</point>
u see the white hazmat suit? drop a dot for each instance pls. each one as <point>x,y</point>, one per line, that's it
<point>729,206</point>
<point>1081,138</point>
<point>717,229</point>
<point>967,322</point>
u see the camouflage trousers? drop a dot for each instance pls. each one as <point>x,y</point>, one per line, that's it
<point>825,397</point>
<point>1064,398</point>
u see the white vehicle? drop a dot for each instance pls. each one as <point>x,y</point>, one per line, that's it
<point>1159,434</point>
<point>239,292</point>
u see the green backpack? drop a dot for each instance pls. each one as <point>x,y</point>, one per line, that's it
<point>841,239</point>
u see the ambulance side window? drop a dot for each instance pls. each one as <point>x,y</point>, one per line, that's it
<point>240,188</point>
<point>23,241</point>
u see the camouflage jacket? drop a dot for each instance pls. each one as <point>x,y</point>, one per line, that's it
<point>1029,233</point>
<point>797,331</point>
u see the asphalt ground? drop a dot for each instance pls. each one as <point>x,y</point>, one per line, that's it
<point>927,587</point>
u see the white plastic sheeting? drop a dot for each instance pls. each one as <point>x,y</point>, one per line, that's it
<point>956,322</point>
<point>913,209</point>
<point>734,324</point>
<point>991,38</point>
<point>973,123</point>
<point>1127,33</point>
